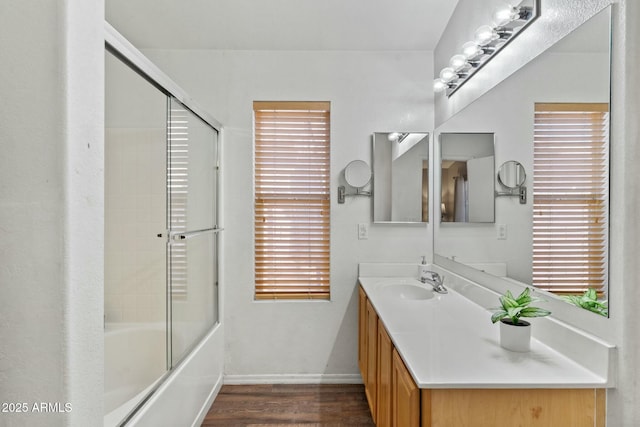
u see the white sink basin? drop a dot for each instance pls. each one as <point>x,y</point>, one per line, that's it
<point>407,291</point>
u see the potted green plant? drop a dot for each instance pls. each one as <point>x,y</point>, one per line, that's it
<point>589,301</point>
<point>515,333</point>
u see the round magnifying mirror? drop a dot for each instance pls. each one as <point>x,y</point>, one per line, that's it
<point>357,173</point>
<point>511,174</point>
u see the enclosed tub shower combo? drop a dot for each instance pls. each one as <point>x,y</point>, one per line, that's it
<point>161,235</point>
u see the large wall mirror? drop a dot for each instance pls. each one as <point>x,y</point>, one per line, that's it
<point>401,177</point>
<point>551,117</point>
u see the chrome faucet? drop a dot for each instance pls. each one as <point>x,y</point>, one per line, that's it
<point>435,280</point>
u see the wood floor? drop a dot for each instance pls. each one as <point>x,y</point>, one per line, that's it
<point>290,406</point>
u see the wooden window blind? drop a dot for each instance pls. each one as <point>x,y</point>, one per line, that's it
<point>292,198</point>
<point>570,197</point>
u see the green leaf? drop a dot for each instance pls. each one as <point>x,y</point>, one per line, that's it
<point>524,297</point>
<point>589,301</point>
<point>515,311</point>
<point>498,315</point>
<point>534,312</point>
<point>507,301</point>
<point>572,299</point>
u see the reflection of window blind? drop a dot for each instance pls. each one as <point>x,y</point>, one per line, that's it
<point>292,200</point>
<point>570,197</point>
<point>178,191</point>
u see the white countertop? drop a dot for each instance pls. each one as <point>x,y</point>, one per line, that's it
<point>448,341</point>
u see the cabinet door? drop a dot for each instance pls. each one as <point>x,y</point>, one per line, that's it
<point>405,396</point>
<point>372,347</point>
<point>362,333</point>
<point>385,374</point>
<point>521,407</point>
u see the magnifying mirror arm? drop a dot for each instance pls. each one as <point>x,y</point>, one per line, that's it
<point>520,191</point>
<point>342,193</point>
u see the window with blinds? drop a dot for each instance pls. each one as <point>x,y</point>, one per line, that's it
<point>570,197</point>
<point>292,200</point>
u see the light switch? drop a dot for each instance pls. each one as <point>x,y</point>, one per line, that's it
<point>501,231</point>
<point>363,231</point>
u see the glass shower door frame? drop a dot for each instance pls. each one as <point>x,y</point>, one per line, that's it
<point>192,216</point>
<point>122,49</point>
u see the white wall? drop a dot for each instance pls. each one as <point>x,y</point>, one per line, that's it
<point>369,91</point>
<point>622,402</point>
<point>51,207</point>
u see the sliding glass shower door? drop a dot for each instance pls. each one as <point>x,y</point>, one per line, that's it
<point>192,246</point>
<point>161,268</point>
<point>135,262</point>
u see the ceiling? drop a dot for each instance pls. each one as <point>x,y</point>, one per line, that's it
<point>281,24</point>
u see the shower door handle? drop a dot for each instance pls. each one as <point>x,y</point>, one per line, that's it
<point>189,234</point>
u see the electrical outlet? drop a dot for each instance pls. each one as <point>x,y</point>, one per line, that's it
<point>501,231</point>
<point>363,231</point>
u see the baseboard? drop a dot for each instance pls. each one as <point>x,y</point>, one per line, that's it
<point>205,408</point>
<point>294,379</point>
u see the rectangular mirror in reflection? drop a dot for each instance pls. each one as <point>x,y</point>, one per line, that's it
<point>467,181</point>
<point>401,177</point>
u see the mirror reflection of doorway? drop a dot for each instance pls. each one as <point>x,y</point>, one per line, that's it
<point>467,177</point>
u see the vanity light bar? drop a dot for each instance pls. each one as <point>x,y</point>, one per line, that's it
<point>508,22</point>
<point>397,136</point>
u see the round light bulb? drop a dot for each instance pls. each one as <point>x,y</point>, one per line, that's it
<point>470,50</point>
<point>505,15</point>
<point>439,85</point>
<point>485,35</point>
<point>458,62</point>
<point>447,74</point>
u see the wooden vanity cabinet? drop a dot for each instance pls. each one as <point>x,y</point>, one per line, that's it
<point>405,396</point>
<point>385,377</point>
<point>371,386</point>
<point>580,407</point>
<point>362,336</point>
<point>396,401</point>
<point>368,350</point>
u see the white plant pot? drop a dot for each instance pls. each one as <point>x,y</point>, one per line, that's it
<point>515,337</point>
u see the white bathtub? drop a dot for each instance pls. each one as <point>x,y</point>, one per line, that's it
<point>135,360</point>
